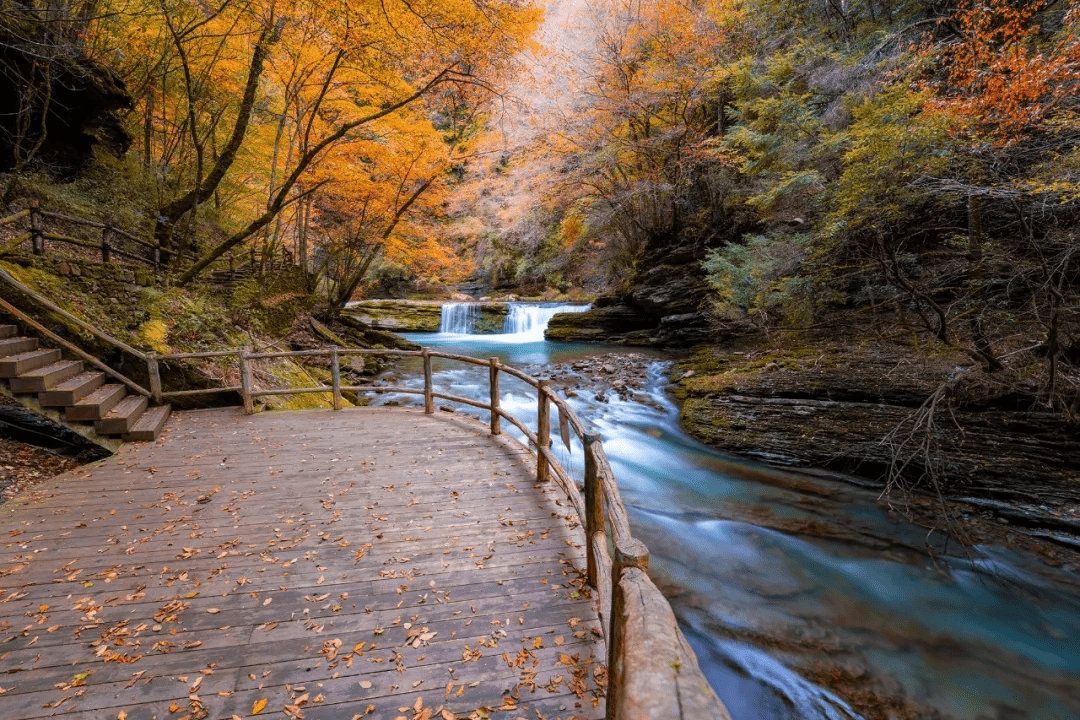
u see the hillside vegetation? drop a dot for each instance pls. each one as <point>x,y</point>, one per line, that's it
<point>906,171</point>
<point>915,160</point>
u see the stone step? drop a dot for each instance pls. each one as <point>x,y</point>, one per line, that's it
<point>17,345</point>
<point>148,427</point>
<point>7,331</point>
<point>96,405</point>
<point>24,362</point>
<point>73,390</point>
<point>122,417</point>
<point>42,378</point>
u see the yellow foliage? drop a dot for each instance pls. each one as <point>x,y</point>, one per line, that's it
<point>154,333</point>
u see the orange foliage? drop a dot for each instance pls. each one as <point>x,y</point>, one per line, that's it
<point>1003,78</point>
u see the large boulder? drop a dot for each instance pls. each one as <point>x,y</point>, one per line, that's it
<point>397,315</point>
<point>612,323</point>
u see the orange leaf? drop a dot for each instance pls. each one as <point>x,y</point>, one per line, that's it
<point>259,706</point>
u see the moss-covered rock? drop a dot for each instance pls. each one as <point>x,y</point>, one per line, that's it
<point>424,316</point>
<point>397,315</point>
<point>491,318</point>
<point>618,324</point>
<point>357,333</point>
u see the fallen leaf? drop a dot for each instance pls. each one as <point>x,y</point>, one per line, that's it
<point>259,706</point>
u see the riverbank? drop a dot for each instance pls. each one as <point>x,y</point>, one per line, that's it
<point>914,421</point>
<point>830,432</point>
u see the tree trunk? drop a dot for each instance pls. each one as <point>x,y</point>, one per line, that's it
<point>171,213</point>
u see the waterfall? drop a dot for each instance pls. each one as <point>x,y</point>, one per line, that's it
<point>525,321</point>
<point>458,318</point>
<point>533,318</point>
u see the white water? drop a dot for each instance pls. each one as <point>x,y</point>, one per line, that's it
<point>968,640</point>
<point>525,322</point>
<point>458,318</point>
<point>532,320</point>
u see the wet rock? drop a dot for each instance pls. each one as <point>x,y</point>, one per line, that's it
<point>361,334</point>
<point>668,290</point>
<point>600,324</point>
<point>832,411</point>
<point>397,315</point>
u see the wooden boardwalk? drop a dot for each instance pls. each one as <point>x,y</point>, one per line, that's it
<point>375,563</point>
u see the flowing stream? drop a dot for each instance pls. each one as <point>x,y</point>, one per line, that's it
<point>770,571</point>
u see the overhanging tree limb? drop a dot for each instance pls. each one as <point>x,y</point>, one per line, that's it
<point>305,161</point>
<point>349,287</point>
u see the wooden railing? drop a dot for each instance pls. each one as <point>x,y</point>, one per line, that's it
<point>652,671</point>
<point>116,243</point>
<point>113,242</point>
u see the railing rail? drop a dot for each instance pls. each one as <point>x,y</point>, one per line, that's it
<point>652,671</point>
<point>109,245</point>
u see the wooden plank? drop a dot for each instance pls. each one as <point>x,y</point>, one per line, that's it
<point>73,390</point>
<point>42,378</point>
<point>122,417</point>
<point>16,345</point>
<point>234,550</point>
<point>16,365</point>
<point>149,425</point>
<point>96,405</point>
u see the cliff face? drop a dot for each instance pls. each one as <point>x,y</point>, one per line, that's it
<point>664,308</point>
<point>56,104</point>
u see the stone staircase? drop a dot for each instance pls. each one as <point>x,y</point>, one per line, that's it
<point>78,395</point>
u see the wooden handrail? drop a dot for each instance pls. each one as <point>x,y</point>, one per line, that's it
<point>11,309</point>
<point>12,218</point>
<point>653,672</point>
<point>37,234</point>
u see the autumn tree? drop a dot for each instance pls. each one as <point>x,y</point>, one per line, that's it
<point>362,83</point>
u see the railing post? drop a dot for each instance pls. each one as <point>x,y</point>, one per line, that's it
<point>429,398</point>
<point>630,553</point>
<point>493,384</point>
<point>37,239</point>
<point>106,251</point>
<point>543,431</point>
<point>154,370</point>
<point>335,376</point>
<point>594,504</point>
<point>245,381</point>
